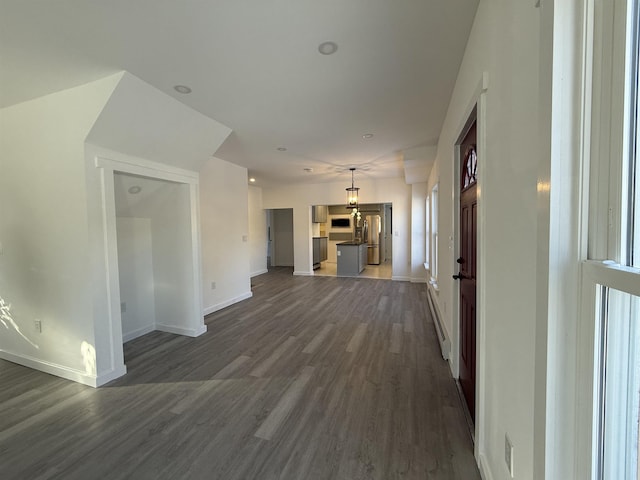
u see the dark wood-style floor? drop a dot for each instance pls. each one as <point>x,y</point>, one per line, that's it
<point>312,378</point>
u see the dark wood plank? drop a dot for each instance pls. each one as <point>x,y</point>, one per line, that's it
<point>313,377</point>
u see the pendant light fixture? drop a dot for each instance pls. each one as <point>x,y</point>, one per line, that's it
<point>352,196</point>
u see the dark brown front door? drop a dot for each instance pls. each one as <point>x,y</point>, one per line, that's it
<point>467,264</point>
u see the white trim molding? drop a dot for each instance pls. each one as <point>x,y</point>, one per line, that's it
<point>187,332</point>
<point>91,380</point>
<point>127,337</point>
<point>259,272</point>
<point>219,306</point>
<point>108,162</point>
<point>303,273</point>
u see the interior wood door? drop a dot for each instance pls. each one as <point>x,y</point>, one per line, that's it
<point>467,263</point>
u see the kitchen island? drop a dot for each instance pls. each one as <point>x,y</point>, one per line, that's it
<point>352,258</point>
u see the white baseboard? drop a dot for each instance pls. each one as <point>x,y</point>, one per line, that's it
<point>259,272</point>
<point>398,278</point>
<point>483,466</point>
<point>104,378</point>
<point>304,274</point>
<point>63,371</point>
<point>418,280</point>
<point>226,303</point>
<point>126,337</point>
<point>187,332</point>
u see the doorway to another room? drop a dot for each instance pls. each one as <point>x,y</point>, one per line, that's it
<point>338,226</point>
<point>280,252</point>
<point>154,244</point>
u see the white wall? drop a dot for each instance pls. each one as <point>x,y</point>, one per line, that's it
<point>135,266</point>
<point>257,233</point>
<point>172,259</point>
<point>224,218</point>
<point>58,237</point>
<point>504,43</point>
<point>301,197</point>
<point>144,131</point>
<point>45,260</point>
<point>144,122</point>
<point>166,207</point>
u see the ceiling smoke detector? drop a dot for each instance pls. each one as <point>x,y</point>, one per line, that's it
<point>182,89</point>
<point>134,190</point>
<point>367,135</point>
<point>308,170</point>
<point>281,149</point>
<point>328,48</point>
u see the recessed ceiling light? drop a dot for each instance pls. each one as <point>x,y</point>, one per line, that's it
<point>367,135</point>
<point>252,180</point>
<point>328,48</point>
<point>281,149</point>
<point>134,190</point>
<point>182,89</point>
<point>308,170</point>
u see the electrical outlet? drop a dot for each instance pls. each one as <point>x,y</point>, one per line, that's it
<point>213,285</point>
<point>245,238</point>
<point>38,325</point>
<point>508,454</point>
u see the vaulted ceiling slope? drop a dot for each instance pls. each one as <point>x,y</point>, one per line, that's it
<point>254,66</point>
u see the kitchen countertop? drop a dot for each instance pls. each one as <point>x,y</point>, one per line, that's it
<point>352,243</point>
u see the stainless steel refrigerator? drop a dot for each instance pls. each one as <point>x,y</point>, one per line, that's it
<point>374,227</point>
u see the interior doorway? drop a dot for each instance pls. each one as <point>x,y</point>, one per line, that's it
<point>373,227</point>
<point>467,261</point>
<point>175,249</point>
<point>153,228</point>
<point>388,232</point>
<point>280,237</point>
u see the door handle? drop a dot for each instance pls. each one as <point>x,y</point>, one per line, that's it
<point>459,276</point>
<point>460,260</point>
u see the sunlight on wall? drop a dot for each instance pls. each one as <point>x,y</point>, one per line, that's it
<point>88,353</point>
<point>7,320</point>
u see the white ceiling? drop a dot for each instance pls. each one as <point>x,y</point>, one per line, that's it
<point>254,66</point>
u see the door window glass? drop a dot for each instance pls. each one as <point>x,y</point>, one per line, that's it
<point>469,167</point>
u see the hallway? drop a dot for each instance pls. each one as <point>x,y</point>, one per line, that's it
<point>311,378</point>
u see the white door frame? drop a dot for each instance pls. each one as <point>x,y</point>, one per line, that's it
<point>479,102</point>
<point>108,163</point>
